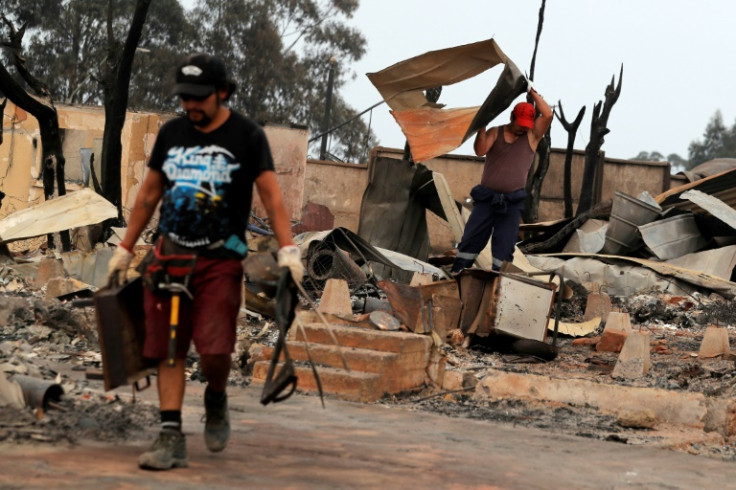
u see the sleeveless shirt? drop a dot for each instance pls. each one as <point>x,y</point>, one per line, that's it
<point>507,164</point>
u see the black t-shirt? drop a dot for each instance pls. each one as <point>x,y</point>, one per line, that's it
<point>209,179</point>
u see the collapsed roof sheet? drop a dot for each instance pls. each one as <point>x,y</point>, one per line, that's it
<point>431,130</point>
<point>73,210</point>
<point>721,186</point>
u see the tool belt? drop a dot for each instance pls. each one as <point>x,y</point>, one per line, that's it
<point>167,263</point>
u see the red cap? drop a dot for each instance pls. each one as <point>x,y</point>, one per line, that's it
<point>524,114</point>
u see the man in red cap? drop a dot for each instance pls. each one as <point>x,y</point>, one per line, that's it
<point>499,199</point>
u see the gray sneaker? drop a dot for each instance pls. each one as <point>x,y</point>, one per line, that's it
<point>168,451</point>
<point>217,426</point>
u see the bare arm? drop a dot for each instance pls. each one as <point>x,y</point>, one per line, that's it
<point>145,205</point>
<point>272,199</point>
<point>543,122</point>
<point>484,140</point>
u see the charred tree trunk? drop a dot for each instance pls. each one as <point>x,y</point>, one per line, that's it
<point>2,119</point>
<point>534,182</point>
<point>572,129</point>
<point>4,250</point>
<point>42,108</point>
<point>116,71</point>
<point>598,130</point>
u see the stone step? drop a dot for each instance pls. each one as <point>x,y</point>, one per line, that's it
<point>347,336</point>
<point>399,372</point>
<point>357,386</point>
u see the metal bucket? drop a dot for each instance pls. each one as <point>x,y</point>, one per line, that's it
<point>673,237</point>
<point>627,214</point>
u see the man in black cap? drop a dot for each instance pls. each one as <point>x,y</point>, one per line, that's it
<point>202,170</point>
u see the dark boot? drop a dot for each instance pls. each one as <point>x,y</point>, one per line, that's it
<point>168,451</point>
<point>217,424</point>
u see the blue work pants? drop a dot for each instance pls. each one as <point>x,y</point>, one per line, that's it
<point>494,214</point>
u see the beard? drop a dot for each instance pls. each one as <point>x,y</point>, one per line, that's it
<point>198,118</point>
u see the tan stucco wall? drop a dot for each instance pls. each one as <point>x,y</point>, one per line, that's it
<point>339,186</point>
<point>289,149</point>
<point>83,127</point>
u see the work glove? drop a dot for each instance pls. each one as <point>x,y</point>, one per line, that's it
<point>117,268</point>
<point>529,85</point>
<point>290,256</point>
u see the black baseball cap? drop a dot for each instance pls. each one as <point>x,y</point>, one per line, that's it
<point>201,74</point>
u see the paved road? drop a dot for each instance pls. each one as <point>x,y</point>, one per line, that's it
<point>298,444</point>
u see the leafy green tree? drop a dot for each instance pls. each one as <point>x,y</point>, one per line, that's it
<point>718,142</point>
<point>677,163</point>
<point>646,156</point>
<point>279,52</point>
<point>68,49</point>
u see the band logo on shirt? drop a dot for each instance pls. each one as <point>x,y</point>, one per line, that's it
<point>194,166</point>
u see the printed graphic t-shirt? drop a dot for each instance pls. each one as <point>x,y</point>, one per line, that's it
<point>209,179</point>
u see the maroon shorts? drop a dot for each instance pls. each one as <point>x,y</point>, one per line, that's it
<point>210,320</point>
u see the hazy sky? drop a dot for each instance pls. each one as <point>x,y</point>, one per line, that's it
<point>677,59</point>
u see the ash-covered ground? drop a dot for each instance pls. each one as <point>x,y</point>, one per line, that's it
<point>49,339</point>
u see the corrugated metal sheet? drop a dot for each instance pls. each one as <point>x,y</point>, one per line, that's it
<point>401,85</point>
<point>721,186</point>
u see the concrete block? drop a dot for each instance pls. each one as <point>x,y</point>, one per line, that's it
<point>452,381</point>
<point>715,342</point>
<point>347,385</point>
<point>436,366</point>
<point>336,298</point>
<point>618,327</point>
<point>637,419</point>
<point>634,360</point>
<point>599,304</point>
<point>396,361</point>
<point>401,342</point>
<point>721,416</point>
<point>619,321</point>
<point>673,407</point>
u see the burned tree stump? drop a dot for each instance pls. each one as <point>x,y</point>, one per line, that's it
<point>598,130</point>
<point>572,129</point>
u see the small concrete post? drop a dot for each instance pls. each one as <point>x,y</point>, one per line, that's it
<point>336,298</point>
<point>715,342</point>
<point>598,304</point>
<point>634,360</point>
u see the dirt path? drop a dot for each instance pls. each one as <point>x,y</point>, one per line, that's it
<point>297,444</point>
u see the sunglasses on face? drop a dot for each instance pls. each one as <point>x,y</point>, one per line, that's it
<point>196,98</point>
